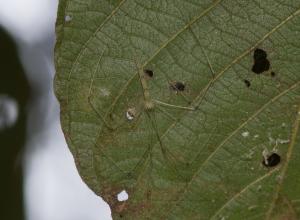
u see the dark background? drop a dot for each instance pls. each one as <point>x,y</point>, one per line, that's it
<point>39,180</point>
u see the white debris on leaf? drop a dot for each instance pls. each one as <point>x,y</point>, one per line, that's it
<point>245,134</point>
<point>250,208</point>
<point>104,92</point>
<point>265,155</point>
<point>68,18</point>
<point>282,141</point>
<point>122,196</point>
<point>256,136</point>
<point>130,114</point>
<point>249,155</point>
<point>271,140</point>
<point>259,188</point>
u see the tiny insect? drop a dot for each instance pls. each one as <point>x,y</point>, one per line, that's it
<point>271,160</point>
<point>177,86</point>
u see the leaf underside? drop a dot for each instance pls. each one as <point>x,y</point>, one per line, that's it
<point>204,158</point>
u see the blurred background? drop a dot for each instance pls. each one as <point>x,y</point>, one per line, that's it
<point>38,179</point>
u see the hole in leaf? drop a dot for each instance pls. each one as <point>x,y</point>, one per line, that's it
<point>272,160</point>
<point>178,86</point>
<point>122,196</point>
<point>261,63</point>
<point>259,54</point>
<point>261,66</point>
<point>247,83</point>
<point>148,72</point>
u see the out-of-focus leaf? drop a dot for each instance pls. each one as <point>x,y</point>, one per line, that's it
<point>15,88</point>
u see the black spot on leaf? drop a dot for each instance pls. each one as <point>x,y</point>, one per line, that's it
<point>178,86</point>
<point>261,63</point>
<point>247,83</point>
<point>273,74</point>
<point>259,54</point>
<point>272,160</point>
<point>148,72</point>
<point>261,66</point>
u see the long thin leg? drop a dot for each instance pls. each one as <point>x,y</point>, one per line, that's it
<point>90,95</point>
<point>164,150</point>
<point>210,67</point>
<point>148,104</point>
<point>174,106</point>
<point>205,89</point>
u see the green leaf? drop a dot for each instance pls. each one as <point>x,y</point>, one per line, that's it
<point>202,151</point>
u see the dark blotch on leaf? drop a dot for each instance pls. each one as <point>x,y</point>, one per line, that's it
<point>273,74</point>
<point>259,54</point>
<point>129,175</point>
<point>272,160</point>
<point>261,66</point>
<point>148,72</point>
<point>178,86</point>
<point>261,63</point>
<point>247,83</point>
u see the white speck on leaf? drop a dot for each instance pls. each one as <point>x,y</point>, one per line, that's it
<point>130,114</point>
<point>259,188</point>
<point>245,134</point>
<point>265,155</point>
<point>250,208</point>
<point>271,140</point>
<point>68,18</point>
<point>282,141</point>
<point>104,92</point>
